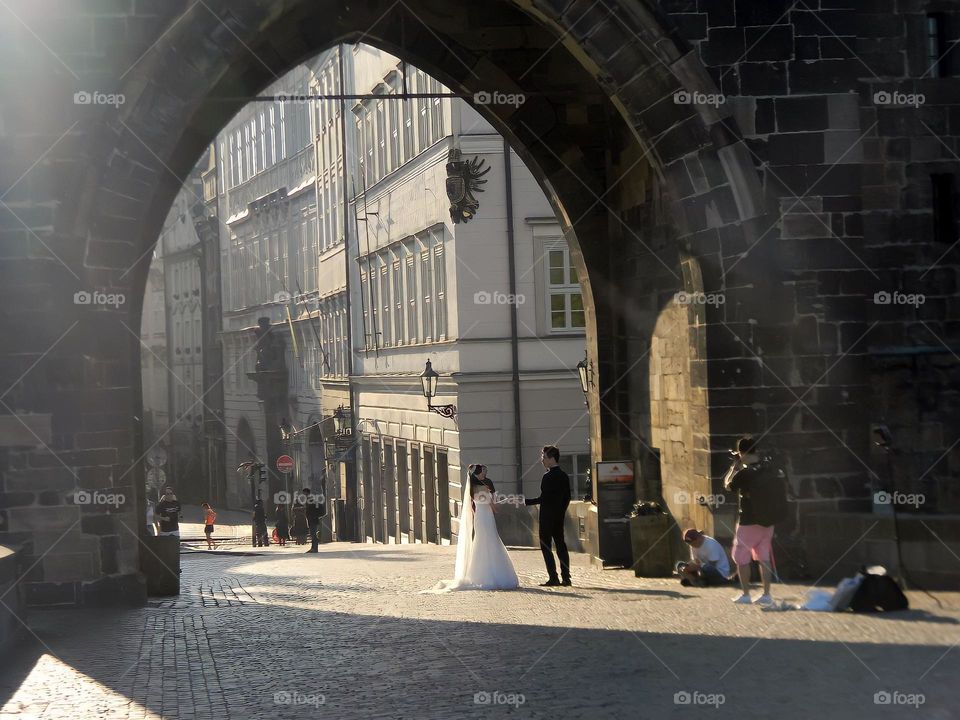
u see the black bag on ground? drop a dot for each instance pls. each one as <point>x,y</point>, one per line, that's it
<point>878,593</point>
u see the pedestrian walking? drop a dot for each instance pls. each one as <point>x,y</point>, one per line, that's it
<point>209,517</point>
<point>283,526</point>
<point>313,508</point>
<point>300,528</point>
<point>260,538</point>
<point>169,512</point>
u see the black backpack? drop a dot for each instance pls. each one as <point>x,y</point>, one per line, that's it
<point>769,494</point>
<point>878,593</point>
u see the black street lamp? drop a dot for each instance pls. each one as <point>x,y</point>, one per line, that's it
<point>428,381</point>
<point>585,370</point>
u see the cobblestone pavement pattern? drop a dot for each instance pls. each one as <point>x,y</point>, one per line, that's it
<point>347,634</point>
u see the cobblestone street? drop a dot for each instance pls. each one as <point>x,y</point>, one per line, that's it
<point>347,634</point>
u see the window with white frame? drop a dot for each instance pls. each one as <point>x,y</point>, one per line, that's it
<point>577,466</point>
<point>386,303</point>
<point>410,291</point>
<point>381,138</point>
<point>565,311</point>
<point>398,309</point>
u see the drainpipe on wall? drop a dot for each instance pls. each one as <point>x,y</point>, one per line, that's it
<point>514,339</point>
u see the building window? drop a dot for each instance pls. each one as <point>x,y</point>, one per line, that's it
<point>398,309</point>
<point>381,139</point>
<point>437,124</point>
<point>386,303</point>
<point>273,135</point>
<point>578,468</point>
<point>426,290</point>
<point>411,292</point>
<point>425,105</point>
<point>263,143</point>
<point>564,298</point>
<point>394,161</point>
<point>364,295</point>
<point>439,288</point>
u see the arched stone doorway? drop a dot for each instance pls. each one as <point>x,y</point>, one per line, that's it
<point>600,130</point>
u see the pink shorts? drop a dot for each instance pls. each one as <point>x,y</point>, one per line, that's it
<point>752,542</point>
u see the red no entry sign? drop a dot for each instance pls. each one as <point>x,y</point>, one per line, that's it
<point>285,464</point>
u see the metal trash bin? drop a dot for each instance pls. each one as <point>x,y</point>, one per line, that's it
<point>160,563</point>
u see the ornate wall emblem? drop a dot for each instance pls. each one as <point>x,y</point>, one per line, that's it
<point>463,181</point>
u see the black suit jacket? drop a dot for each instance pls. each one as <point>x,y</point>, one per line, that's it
<point>554,493</point>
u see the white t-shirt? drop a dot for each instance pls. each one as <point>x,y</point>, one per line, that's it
<point>711,553</point>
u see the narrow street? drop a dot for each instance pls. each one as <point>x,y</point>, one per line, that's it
<point>348,634</point>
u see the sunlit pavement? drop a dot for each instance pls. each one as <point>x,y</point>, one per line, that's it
<point>347,634</point>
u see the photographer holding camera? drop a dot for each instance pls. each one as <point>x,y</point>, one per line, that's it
<point>762,496</point>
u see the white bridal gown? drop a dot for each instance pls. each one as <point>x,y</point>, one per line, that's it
<point>482,560</point>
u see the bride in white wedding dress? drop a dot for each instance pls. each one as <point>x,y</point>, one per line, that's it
<point>482,561</point>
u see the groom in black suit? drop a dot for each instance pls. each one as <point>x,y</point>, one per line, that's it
<point>553,501</point>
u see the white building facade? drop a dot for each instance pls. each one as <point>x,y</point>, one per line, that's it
<point>350,248</point>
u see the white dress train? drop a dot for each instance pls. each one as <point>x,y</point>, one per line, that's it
<point>482,561</point>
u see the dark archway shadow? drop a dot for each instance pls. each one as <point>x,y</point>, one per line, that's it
<point>364,664</point>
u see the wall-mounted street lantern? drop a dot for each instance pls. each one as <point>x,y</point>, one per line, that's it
<point>428,382</point>
<point>585,370</point>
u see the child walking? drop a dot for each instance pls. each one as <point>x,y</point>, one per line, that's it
<point>209,517</point>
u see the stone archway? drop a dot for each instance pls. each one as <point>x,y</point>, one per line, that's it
<point>600,130</point>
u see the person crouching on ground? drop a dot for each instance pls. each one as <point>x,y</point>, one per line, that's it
<point>708,563</point>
